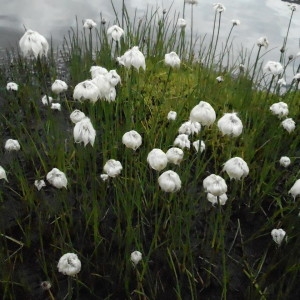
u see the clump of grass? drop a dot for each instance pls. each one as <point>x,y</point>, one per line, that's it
<point>190,249</point>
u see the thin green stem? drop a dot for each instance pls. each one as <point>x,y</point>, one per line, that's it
<point>225,48</point>
<point>70,288</point>
<point>91,45</point>
<point>270,86</point>
<point>212,39</point>
<point>285,39</point>
<point>255,63</point>
<point>217,38</point>
<point>191,39</point>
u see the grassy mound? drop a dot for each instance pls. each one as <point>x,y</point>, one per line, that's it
<point>190,248</point>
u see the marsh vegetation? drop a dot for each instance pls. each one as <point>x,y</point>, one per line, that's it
<point>186,247</point>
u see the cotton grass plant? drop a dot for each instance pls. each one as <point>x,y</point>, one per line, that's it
<point>103,213</point>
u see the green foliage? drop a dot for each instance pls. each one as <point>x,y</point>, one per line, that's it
<point>190,249</point>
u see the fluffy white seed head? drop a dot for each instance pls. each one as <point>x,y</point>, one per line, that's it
<point>284,161</point>
<point>133,58</point>
<point>289,125</point>
<point>196,145</point>
<point>273,67</point>
<point>236,168</point>
<point>182,141</point>
<point>97,70</point>
<point>46,100</point>
<point>86,90</point>
<point>215,185</point>
<point>157,159</point>
<point>89,24</point>
<point>59,86</point>
<point>230,124</point>
<point>84,132</point>
<point>12,86</point>
<point>172,60</point>
<point>69,264</point>
<point>281,82</point>
<point>215,200</point>
<point>104,86</point>
<point>175,155</point>
<point>189,128</point>
<point>278,235</point>
<point>57,178</point>
<point>132,139</point>
<point>220,79</point>
<point>104,177</point>
<point>33,44</point>
<point>203,113</point>
<point>3,174</point>
<point>77,115</point>
<point>297,76</point>
<point>263,42</point>
<point>39,184</point>
<point>115,32</point>
<point>56,106</point>
<point>172,115</point>
<point>181,23</point>
<point>112,94</point>
<point>169,181</point>
<point>12,145</point>
<point>113,77</point>
<point>295,189</point>
<point>219,7</point>
<point>136,257</point>
<point>279,109</point>
<point>112,168</point>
